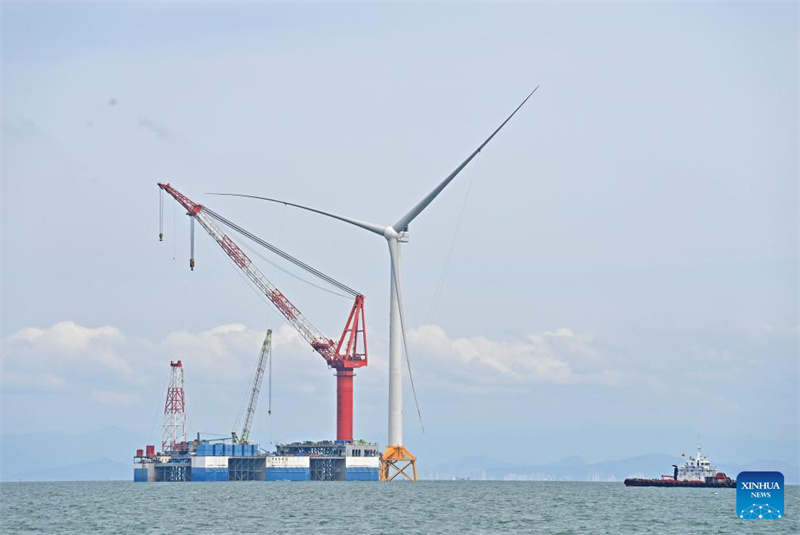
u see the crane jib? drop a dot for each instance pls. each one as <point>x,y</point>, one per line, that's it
<point>266,350</point>
<point>326,347</point>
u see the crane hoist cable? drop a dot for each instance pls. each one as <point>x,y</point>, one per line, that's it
<point>161,215</point>
<point>291,274</point>
<point>396,283</point>
<point>191,243</point>
<point>174,243</point>
<point>437,293</point>
<point>299,263</point>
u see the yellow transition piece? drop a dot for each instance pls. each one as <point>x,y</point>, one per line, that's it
<point>395,461</point>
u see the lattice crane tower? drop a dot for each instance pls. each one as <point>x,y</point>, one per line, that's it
<point>174,427</point>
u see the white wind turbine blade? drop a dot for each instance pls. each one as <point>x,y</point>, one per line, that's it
<point>403,222</point>
<point>377,229</point>
<point>393,244</point>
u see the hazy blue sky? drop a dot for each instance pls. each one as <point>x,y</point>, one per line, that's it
<point>622,280</point>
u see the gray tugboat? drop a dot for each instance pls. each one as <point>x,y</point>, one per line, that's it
<point>696,472</point>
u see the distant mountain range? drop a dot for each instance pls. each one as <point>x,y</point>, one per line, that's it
<point>575,468</point>
<point>101,455</point>
<point>107,455</point>
<point>102,469</point>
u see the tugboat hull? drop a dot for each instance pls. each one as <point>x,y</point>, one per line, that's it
<point>717,484</point>
<point>696,472</point>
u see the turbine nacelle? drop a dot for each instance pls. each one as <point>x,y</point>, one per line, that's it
<point>391,234</point>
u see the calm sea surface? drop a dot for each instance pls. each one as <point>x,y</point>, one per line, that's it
<point>376,508</point>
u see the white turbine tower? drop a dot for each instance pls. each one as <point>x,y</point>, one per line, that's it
<point>396,458</point>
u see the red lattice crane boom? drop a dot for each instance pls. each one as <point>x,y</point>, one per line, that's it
<point>344,357</point>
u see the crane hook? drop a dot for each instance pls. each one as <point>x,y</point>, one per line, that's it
<point>191,240</point>
<point>160,215</point>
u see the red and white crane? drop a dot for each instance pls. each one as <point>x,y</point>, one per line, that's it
<point>344,356</point>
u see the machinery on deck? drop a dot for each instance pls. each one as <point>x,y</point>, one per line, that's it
<point>344,356</point>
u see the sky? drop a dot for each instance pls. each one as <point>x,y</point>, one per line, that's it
<point>615,274</point>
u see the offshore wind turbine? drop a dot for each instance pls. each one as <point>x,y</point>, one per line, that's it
<point>396,458</point>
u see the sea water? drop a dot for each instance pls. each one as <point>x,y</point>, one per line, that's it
<point>364,508</point>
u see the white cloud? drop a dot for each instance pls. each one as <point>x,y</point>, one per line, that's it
<point>65,350</point>
<point>229,352</point>
<point>559,356</point>
<point>102,373</point>
<point>68,337</point>
<point>213,351</point>
<point>102,368</point>
<point>107,368</point>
